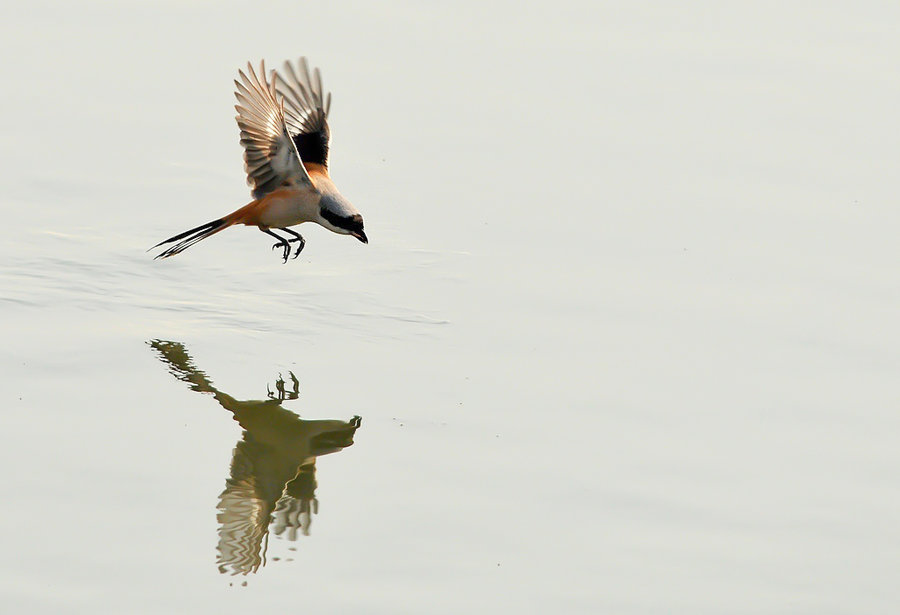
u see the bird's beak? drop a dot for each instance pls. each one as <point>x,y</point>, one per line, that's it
<point>361,236</point>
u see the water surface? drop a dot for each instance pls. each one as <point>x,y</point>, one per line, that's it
<point>624,339</point>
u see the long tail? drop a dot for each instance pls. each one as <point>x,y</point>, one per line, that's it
<point>188,238</point>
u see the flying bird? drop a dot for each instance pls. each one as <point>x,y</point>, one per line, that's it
<point>283,119</point>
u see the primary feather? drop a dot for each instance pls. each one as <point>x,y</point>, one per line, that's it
<point>270,156</point>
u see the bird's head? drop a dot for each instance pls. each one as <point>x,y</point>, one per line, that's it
<point>339,215</point>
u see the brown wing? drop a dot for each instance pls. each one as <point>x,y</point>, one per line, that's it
<point>270,157</point>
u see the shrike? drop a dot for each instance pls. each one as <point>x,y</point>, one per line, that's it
<point>285,134</point>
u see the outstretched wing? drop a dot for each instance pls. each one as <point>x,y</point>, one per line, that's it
<point>270,157</point>
<point>306,107</point>
<point>245,510</point>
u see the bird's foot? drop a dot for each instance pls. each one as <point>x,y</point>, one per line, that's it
<point>286,247</point>
<point>301,243</point>
<point>295,393</point>
<point>281,393</point>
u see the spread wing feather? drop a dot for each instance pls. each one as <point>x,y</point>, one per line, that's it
<point>306,107</point>
<point>270,156</point>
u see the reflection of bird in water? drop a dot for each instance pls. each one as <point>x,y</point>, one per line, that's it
<point>273,470</point>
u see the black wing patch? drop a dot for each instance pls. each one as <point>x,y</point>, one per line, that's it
<point>306,106</point>
<point>313,146</point>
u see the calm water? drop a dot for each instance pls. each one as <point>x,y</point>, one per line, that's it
<point>625,339</point>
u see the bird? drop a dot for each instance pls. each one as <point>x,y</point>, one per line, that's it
<point>283,122</point>
<point>272,479</point>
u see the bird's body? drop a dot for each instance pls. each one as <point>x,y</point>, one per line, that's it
<point>283,207</point>
<point>286,139</point>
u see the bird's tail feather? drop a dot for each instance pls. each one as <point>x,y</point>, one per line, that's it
<point>188,238</point>
<point>248,214</point>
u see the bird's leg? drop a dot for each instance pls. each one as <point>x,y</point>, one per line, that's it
<point>279,384</point>
<point>297,237</point>
<point>296,392</point>
<point>282,243</point>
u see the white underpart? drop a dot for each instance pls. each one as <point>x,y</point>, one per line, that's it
<point>291,209</point>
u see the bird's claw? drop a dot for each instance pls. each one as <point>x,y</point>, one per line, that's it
<point>295,393</point>
<point>281,392</point>
<point>300,245</point>
<point>287,250</point>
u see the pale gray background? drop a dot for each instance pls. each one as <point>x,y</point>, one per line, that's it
<point>625,339</point>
